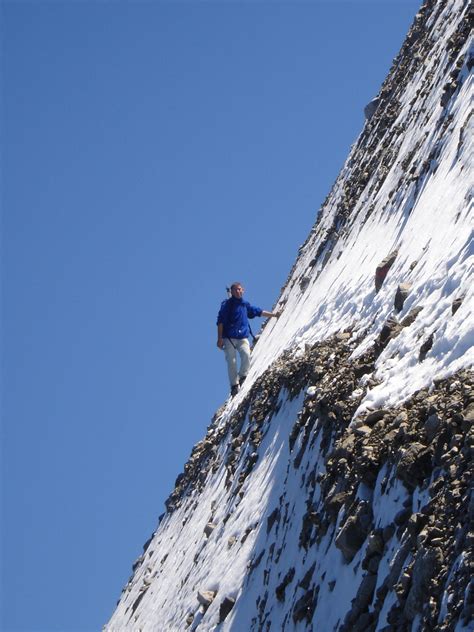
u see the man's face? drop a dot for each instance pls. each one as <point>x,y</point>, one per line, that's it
<point>237,291</point>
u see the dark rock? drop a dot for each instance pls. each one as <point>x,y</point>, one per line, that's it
<point>383,268</point>
<point>425,347</point>
<point>414,465</point>
<point>401,295</point>
<point>373,564</point>
<point>354,531</point>
<point>363,369</point>
<point>468,415</point>
<point>209,528</point>
<point>448,91</point>
<point>345,447</point>
<point>375,416</point>
<point>402,517</point>
<point>366,592</point>
<point>428,563</point>
<point>334,503</point>
<point>390,330</point>
<point>375,543</point>
<point>355,619</point>
<point>456,304</point>
<point>226,606</point>
<point>304,282</point>
<point>411,316</point>
<point>432,425</point>
<point>137,601</point>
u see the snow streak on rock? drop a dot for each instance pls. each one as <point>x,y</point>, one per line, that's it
<point>333,493</point>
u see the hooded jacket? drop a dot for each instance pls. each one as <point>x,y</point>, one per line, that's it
<point>234,314</point>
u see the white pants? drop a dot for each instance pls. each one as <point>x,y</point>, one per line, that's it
<point>231,347</point>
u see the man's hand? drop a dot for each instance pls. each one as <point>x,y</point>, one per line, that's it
<point>271,314</point>
<point>220,343</point>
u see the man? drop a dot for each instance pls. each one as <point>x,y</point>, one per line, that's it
<point>233,331</point>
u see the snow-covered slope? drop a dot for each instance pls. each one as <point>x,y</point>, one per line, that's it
<point>333,492</point>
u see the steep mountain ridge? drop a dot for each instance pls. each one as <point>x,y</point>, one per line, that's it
<point>333,492</point>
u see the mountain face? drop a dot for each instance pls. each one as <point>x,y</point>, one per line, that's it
<point>333,492</point>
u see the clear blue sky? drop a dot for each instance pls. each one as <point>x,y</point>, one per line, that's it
<point>152,152</point>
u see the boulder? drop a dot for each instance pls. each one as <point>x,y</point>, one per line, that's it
<point>425,347</point>
<point>456,304</point>
<point>334,503</point>
<point>390,330</point>
<point>374,416</point>
<point>366,592</point>
<point>304,282</point>
<point>402,517</point>
<point>432,425</point>
<point>225,608</point>
<point>383,268</point>
<point>468,415</point>
<point>354,531</point>
<point>411,317</point>
<point>363,369</point>
<point>414,465</point>
<point>206,597</point>
<point>375,544</point>
<point>428,563</point>
<point>401,295</point>
<point>209,528</point>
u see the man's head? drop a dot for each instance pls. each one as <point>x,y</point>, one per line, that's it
<point>237,290</point>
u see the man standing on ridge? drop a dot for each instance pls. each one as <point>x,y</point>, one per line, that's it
<point>233,331</point>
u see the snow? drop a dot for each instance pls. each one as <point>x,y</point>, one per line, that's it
<point>429,222</point>
<point>432,228</point>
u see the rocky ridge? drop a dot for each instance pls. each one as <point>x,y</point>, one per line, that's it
<point>424,446</point>
<point>378,148</point>
<point>308,505</point>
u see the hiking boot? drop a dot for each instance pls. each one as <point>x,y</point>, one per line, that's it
<point>234,390</point>
<point>242,379</point>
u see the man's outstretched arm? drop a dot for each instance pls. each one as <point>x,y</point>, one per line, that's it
<point>270,314</point>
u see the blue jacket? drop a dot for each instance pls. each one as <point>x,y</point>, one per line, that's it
<point>234,314</point>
